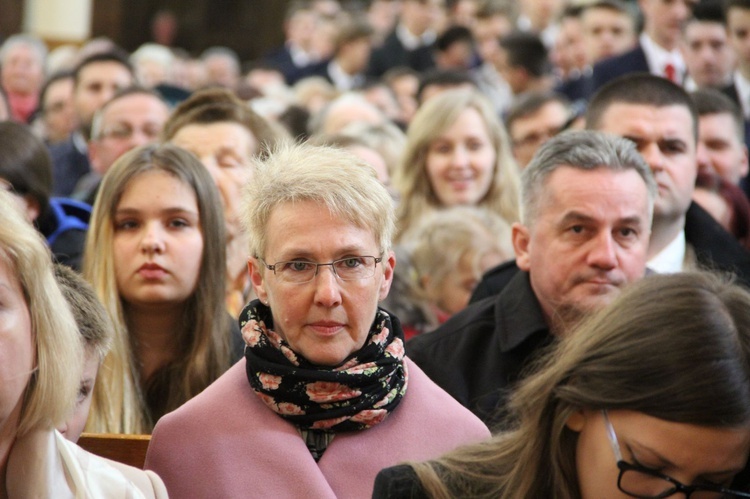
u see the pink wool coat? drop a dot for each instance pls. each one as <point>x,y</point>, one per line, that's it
<point>226,443</point>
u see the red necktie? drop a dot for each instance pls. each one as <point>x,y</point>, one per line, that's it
<point>670,72</point>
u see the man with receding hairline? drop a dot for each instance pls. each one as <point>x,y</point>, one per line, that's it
<point>96,79</point>
<point>132,118</point>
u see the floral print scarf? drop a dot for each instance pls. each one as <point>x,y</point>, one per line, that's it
<point>355,395</point>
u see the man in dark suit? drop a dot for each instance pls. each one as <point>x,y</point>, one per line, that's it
<point>586,215</point>
<point>737,13</point>
<point>657,50</point>
<point>96,79</point>
<point>661,119</point>
<point>410,44</point>
<point>352,48</point>
<point>608,30</point>
<point>295,56</point>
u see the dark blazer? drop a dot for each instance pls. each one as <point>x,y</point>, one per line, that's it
<point>319,69</point>
<point>494,280</point>
<point>69,164</point>
<point>398,482</point>
<point>731,92</point>
<point>633,61</point>
<point>715,248</point>
<point>392,53</point>
<point>480,353</point>
<point>578,89</point>
<point>281,59</point>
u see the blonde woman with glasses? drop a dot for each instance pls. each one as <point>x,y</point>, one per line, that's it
<point>325,397</point>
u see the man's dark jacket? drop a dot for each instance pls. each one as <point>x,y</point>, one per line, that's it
<point>633,61</point>
<point>479,354</point>
<point>393,53</point>
<point>69,164</point>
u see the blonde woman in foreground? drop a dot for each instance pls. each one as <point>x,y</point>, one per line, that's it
<point>41,360</point>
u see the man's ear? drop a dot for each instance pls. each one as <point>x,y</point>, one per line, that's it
<point>255,268</point>
<point>521,245</point>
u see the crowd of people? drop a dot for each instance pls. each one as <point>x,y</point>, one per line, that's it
<point>425,248</point>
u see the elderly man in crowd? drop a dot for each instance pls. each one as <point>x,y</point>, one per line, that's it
<point>22,59</point>
<point>133,117</point>
<point>225,134</point>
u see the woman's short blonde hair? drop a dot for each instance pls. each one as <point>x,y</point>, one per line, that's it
<point>52,388</point>
<point>430,121</point>
<point>332,177</point>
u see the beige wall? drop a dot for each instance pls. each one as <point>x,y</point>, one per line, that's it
<point>58,20</point>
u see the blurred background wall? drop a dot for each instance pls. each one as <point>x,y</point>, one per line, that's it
<point>250,27</point>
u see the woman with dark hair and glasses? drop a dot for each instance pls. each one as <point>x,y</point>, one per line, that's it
<point>325,397</point>
<point>649,398</point>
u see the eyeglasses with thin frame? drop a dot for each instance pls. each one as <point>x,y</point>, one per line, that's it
<point>351,268</point>
<point>645,483</point>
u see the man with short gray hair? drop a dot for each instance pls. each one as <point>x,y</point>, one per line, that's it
<point>587,201</point>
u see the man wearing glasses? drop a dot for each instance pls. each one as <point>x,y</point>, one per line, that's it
<point>533,120</point>
<point>131,118</point>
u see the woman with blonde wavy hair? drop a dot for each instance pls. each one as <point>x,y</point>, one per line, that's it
<point>457,153</point>
<point>155,257</point>
<point>41,360</point>
<point>649,398</point>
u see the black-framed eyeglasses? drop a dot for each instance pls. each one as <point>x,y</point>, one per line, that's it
<point>351,268</point>
<point>638,481</point>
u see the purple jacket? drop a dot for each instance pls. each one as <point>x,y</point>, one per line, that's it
<point>226,443</point>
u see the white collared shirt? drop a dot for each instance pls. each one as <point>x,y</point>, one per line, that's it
<point>743,92</point>
<point>410,41</point>
<point>657,58</point>
<point>300,58</point>
<point>342,80</point>
<point>548,34</point>
<point>672,258</point>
